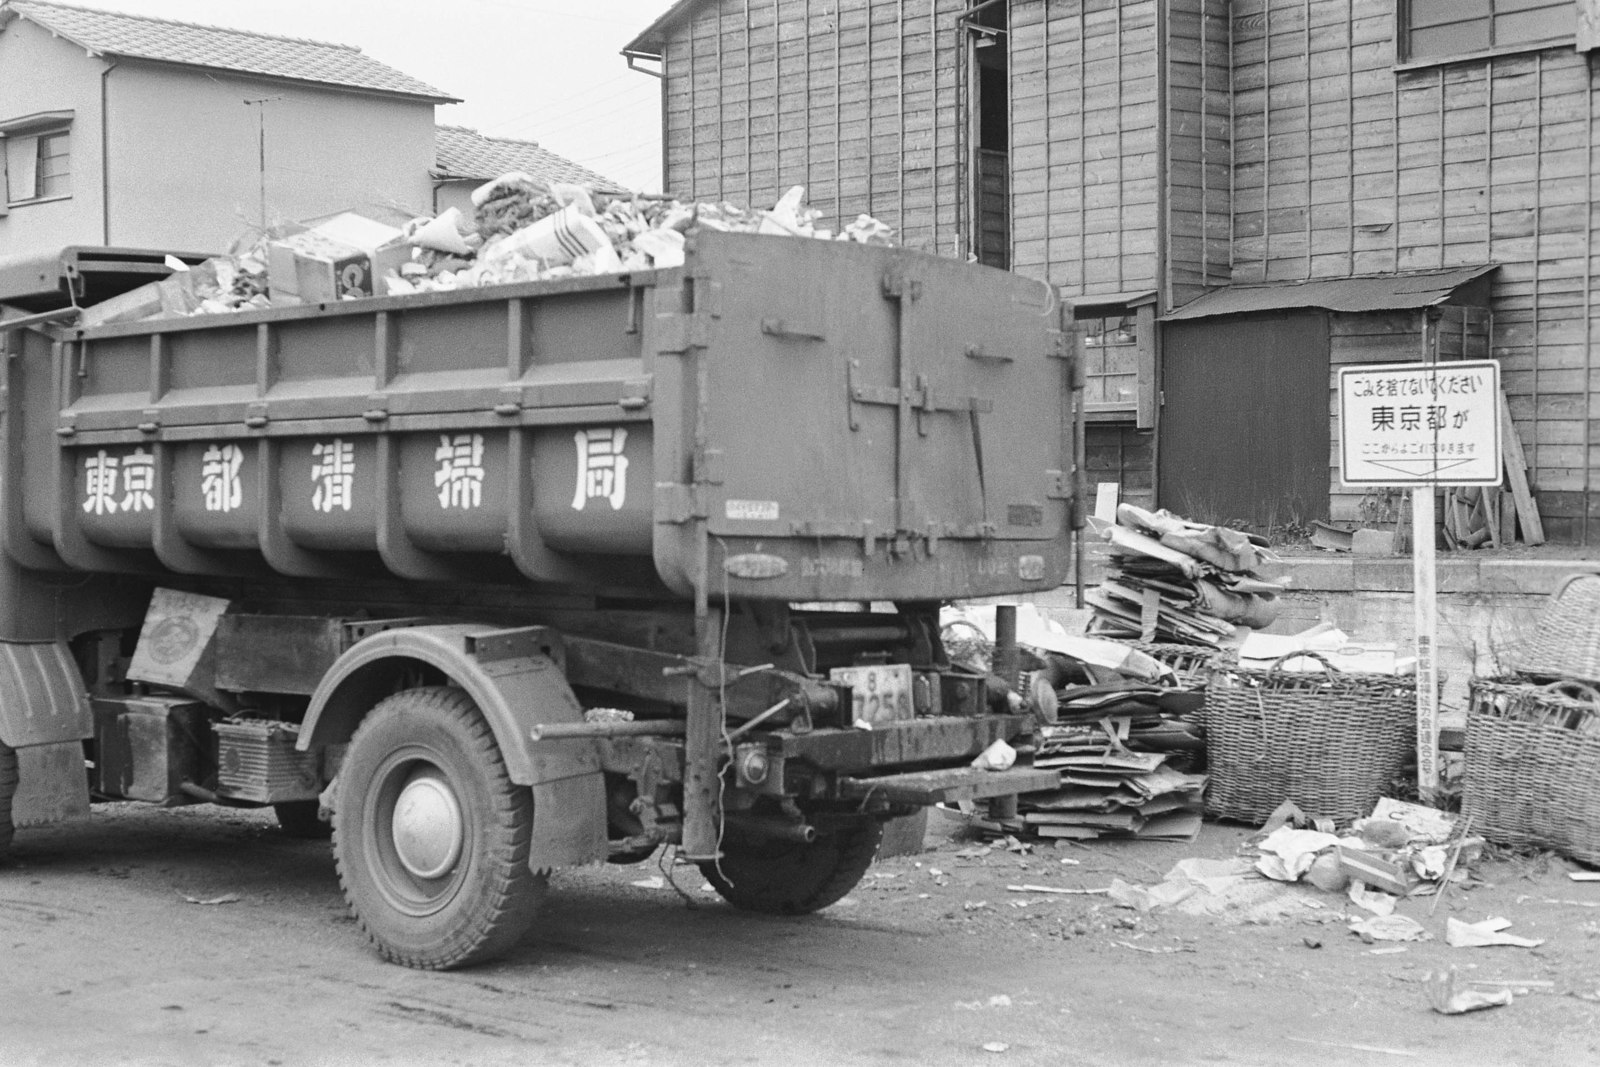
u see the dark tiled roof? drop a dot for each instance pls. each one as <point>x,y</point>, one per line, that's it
<point>165,41</point>
<point>464,153</point>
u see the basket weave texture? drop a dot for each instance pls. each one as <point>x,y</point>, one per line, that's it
<point>1565,642</point>
<point>1533,766</point>
<point>1330,741</point>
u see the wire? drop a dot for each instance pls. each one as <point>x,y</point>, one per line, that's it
<point>722,713</point>
<point>572,113</point>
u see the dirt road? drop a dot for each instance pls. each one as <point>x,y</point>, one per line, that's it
<point>106,957</point>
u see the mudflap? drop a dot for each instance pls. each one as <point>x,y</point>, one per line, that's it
<point>51,784</point>
<point>44,717</point>
<point>565,830</point>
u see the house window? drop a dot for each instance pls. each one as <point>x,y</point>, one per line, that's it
<point>1117,338</point>
<point>1444,29</point>
<point>38,165</point>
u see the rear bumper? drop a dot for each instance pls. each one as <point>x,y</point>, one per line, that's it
<point>913,743</point>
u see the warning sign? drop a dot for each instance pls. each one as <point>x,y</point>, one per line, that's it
<point>1411,423</point>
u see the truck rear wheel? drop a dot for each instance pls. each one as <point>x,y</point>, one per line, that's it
<point>8,789</point>
<point>789,878</point>
<point>431,835</point>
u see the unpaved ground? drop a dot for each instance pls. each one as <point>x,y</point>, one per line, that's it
<point>103,961</point>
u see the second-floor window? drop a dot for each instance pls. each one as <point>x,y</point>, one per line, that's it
<point>1445,29</point>
<point>38,165</point>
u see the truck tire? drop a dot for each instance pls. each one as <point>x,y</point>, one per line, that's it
<point>298,818</point>
<point>785,878</point>
<point>450,885</point>
<point>8,789</point>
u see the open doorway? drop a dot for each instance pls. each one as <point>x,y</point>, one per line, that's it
<point>990,123</point>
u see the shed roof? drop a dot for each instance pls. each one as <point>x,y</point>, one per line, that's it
<point>110,33</point>
<point>650,41</point>
<point>1372,292</point>
<point>463,153</point>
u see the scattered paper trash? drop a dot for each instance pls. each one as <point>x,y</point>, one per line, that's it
<point>655,881</point>
<point>1371,899</point>
<point>1485,934</point>
<point>1450,996</point>
<point>1149,898</point>
<point>995,1046</point>
<point>226,898</point>
<point>1421,823</point>
<point>997,757</point>
<point>1288,853</point>
<point>1389,928</point>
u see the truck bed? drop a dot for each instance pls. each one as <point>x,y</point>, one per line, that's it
<point>779,419</point>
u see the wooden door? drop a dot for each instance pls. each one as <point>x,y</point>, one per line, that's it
<point>1244,426</point>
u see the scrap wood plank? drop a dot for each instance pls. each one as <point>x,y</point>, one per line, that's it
<point>1516,464</point>
<point>1489,509</point>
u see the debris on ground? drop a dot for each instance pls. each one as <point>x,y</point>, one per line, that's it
<point>1389,928</point>
<point>1450,996</point>
<point>1483,934</point>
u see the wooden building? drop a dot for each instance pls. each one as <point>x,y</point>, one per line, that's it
<point>1239,197</point>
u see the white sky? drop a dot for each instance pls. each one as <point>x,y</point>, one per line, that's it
<point>536,71</point>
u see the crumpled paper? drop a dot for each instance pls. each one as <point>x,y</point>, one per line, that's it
<point>1378,903</point>
<point>1458,934</point>
<point>1390,928</point>
<point>1221,889</point>
<point>1448,996</point>
<point>1287,853</point>
<point>997,757</point>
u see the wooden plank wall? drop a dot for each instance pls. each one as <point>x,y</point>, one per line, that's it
<point>1116,452</point>
<point>1085,185</point>
<point>1370,337</point>
<point>858,100</point>
<point>1199,149</point>
<point>1345,165</point>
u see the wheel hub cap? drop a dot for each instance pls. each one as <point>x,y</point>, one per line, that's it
<point>427,827</point>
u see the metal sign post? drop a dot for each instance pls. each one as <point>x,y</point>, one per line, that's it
<point>1422,426</point>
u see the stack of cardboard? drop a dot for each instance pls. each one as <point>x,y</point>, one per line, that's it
<point>1179,582</point>
<point>1111,786</point>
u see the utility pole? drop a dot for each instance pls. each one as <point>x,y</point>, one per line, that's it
<point>261,150</point>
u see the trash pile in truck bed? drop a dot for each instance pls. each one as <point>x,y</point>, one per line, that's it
<point>521,229</point>
<point>1180,582</point>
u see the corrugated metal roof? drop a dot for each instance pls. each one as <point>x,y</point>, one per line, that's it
<point>112,33</point>
<point>464,153</point>
<point>1373,292</point>
<point>1129,299</point>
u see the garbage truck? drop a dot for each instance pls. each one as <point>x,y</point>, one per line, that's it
<point>489,582</point>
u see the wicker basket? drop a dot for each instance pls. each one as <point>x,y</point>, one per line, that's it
<point>1331,742</point>
<point>1565,642</point>
<point>1533,766</point>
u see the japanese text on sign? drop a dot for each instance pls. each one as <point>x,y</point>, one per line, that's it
<point>1436,423</point>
